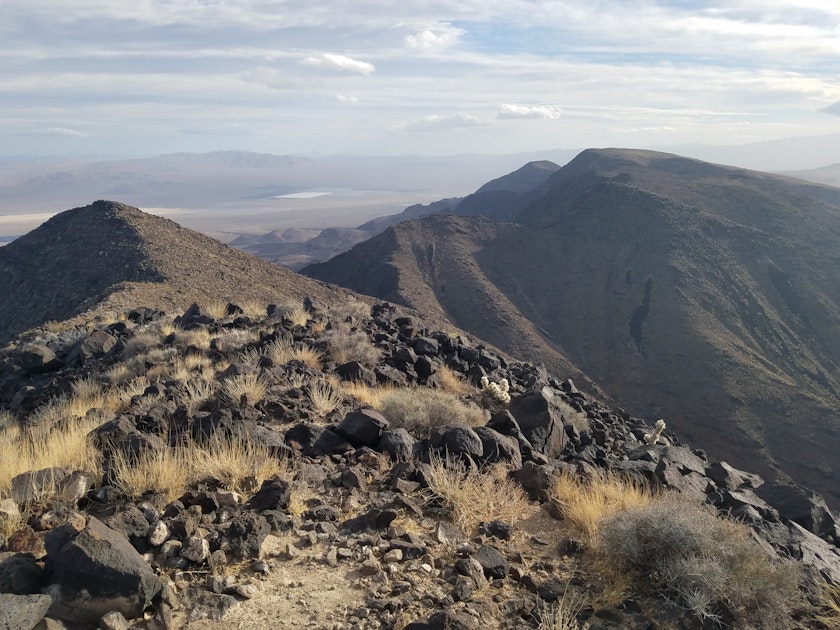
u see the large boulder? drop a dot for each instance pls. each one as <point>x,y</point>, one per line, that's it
<point>539,415</point>
<point>96,571</point>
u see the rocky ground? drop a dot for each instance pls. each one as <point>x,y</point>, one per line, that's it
<point>278,488</point>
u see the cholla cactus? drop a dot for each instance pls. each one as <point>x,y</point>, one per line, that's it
<point>497,391</point>
<point>653,438</point>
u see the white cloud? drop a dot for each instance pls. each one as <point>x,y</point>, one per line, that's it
<point>438,122</point>
<point>433,39</point>
<point>546,112</point>
<point>339,62</point>
<point>60,131</point>
<point>342,98</point>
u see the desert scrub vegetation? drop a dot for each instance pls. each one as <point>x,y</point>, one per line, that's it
<point>233,461</point>
<point>284,349</point>
<point>710,566</point>
<point>66,444</point>
<point>453,383</point>
<point>421,410</point>
<point>563,614</point>
<point>249,387</point>
<point>586,503</point>
<point>472,495</point>
<point>325,394</point>
<point>345,343</point>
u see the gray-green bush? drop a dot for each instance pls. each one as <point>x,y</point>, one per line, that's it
<point>705,564</point>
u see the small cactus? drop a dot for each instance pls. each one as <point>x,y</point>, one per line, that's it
<point>497,391</point>
<point>653,438</point>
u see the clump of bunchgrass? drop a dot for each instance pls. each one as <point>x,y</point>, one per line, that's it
<point>586,503</point>
<point>325,395</point>
<point>250,388</point>
<point>421,410</point>
<point>474,495</point>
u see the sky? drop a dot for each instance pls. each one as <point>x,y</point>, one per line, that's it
<point>120,78</point>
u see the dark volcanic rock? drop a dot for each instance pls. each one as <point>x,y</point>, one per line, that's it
<point>363,427</point>
<point>541,421</point>
<point>274,494</point>
<point>801,506</point>
<point>20,574</point>
<point>98,571</point>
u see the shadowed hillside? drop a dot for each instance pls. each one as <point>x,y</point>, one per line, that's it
<point>112,253</point>
<point>705,294</point>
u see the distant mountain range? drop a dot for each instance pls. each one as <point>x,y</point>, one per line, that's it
<point>705,294</point>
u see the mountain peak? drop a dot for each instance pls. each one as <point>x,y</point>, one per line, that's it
<point>93,256</point>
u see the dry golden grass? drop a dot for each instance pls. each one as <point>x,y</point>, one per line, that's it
<point>586,504</point>
<point>420,409</point>
<point>141,343</point>
<point>830,606</point>
<point>216,309</point>
<point>196,338</point>
<point>196,392</point>
<point>474,496</point>
<point>346,344</point>
<point>325,395</point>
<point>165,327</point>
<point>232,460</point>
<point>234,340</point>
<point>67,445</point>
<point>127,391</point>
<point>453,383</point>
<point>283,349</point>
<point>317,327</point>
<point>166,473</point>
<point>45,417</point>
<point>250,356</point>
<point>254,309</point>
<point>89,394</point>
<point>251,386</point>
<point>7,418</point>
<point>364,394</point>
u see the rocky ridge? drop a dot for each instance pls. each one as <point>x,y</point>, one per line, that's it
<point>354,492</point>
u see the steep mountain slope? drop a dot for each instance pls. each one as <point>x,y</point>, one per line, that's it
<point>705,294</point>
<point>495,199</point>
<point>111,255</point>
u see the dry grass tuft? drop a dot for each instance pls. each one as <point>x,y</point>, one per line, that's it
<point>475,496</point>
<point>65,445</point>
<point>325,395</point>
<point>453,383</point>
<point>236,462</point>
<point>196,392</point>
<point>420,410</point>
<point>345,343</point>
<point>7,419</point>
<point>217,309</point>
<point>563,614</point>
<point>366,395</point>
<point>250,386</point>
<point>586,504</point>
<point>255,309</point>
<point>283,349</point>
<point>830,606</point>
<point>141,343</point>
<point>166,472</point>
